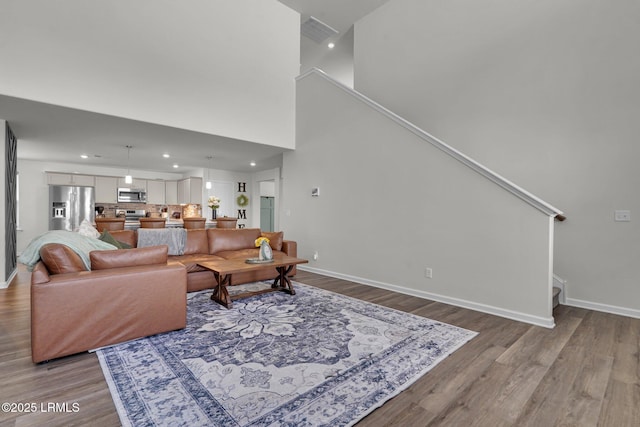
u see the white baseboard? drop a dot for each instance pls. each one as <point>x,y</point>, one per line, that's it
<point>589,305</point>
<point>496,311</point>
<point>606,308</point>
<point>5,285</point>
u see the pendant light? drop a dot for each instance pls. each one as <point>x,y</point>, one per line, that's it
<point>208,183</point>
<point>128,179</point>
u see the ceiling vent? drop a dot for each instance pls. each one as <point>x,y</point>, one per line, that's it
<point>317,30</point>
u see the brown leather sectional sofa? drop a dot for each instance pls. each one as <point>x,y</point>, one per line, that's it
<point>221,243</point>
<point>129,293</point>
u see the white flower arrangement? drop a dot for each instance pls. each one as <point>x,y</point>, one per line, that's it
<point>213,202</point>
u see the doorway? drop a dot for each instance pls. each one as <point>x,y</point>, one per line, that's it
<point>267,190</point>
<point>266,213</point>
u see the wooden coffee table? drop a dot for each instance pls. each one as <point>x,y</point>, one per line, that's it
<point>223,270</point>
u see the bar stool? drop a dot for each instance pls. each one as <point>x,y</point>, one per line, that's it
<point>152,222</point>
<point>194,222</point>
<point>226,222</point>
<point>109,224</point>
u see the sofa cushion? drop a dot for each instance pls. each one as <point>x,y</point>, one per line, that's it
<point>108,237</point>
<point>197,242</point>
<point>231,239</point>
<point>129,237</point>
<point>152,255</point>
<point>60,259</point>
<point>88,230</point>
<point>275,239</point>
<point>80,244</point>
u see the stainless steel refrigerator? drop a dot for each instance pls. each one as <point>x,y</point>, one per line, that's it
<point>69,206</point>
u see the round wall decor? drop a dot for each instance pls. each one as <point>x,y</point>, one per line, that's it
<point>242,200</point>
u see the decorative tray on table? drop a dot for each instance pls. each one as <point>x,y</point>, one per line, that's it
<point>258,261</point>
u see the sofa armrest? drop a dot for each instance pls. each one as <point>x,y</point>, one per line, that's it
<point>40,273</point>
<point>76,312</point>
<point>290,248</point>
<point>151,255</point>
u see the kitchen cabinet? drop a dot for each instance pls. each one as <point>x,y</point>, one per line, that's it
<point>171,192</point>
<point>138,184</point>
<point>106,189</point>
<point>155,192</point>
<point>70,179</point>
<point>190,191</point>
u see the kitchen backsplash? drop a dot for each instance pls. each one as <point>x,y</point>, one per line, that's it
<point>186,211</point>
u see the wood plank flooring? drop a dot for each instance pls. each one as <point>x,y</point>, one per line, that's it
<point>585,372</point>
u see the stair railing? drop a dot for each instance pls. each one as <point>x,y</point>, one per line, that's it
<point>482,170</point>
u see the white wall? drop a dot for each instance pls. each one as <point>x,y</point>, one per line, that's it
<point>337,62</point>
<point>220,67</point>
<point>545,93</point>
<point>267,189</point>
<point>391,205</point>
<point>225,187</point>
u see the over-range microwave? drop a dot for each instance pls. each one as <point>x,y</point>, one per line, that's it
<point>132,195</point>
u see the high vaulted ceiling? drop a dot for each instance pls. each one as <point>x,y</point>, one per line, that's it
<point>60,134</point>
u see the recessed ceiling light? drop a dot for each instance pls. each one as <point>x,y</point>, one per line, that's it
<point>166,156</point>
<point>176,166</point>
<point>252,163</point>
<point>84,156</point>
<point>331,45</point>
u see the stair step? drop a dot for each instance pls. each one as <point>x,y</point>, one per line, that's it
<point>556,296</point>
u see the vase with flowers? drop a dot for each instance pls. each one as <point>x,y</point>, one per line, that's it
<point>214,203</point>
<point>265,253</point>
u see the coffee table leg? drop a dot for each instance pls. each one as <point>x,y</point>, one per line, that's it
<point>282,281</point>
<point>220,293</point>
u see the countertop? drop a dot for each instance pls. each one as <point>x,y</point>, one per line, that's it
<point>180,223</point>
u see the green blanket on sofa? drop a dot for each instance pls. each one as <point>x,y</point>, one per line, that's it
<point>78,243</point>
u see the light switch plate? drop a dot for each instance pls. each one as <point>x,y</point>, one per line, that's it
<point>622,216</point>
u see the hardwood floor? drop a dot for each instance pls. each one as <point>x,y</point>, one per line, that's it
<point>585,372</point>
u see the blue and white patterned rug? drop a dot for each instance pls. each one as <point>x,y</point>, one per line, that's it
<point>315,358</point>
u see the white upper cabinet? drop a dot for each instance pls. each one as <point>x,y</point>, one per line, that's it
<point>138,184</point>
<point>171,192</point>
<point>159,192</point>
<point>190,190</point>
<point>106,189</point>
<point>155,192</point>
<point>70,179</point>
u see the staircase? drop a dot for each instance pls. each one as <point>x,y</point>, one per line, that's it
<point>556,296</point>
<point>558,288</point>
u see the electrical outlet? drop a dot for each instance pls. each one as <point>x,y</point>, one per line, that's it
<point>315,256</point>
<point>428,273</point>
<point>622,216</point>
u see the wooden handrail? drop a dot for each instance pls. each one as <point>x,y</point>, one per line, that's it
<point>560,217</point>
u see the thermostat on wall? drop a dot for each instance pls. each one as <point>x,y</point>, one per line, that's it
<point>315,192</point>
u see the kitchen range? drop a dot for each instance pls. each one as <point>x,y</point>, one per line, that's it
<point>131,217</point>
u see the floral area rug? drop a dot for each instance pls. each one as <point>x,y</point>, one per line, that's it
<point>314,358</point>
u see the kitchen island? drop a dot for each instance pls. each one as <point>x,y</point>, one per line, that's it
<point>178,223</point>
